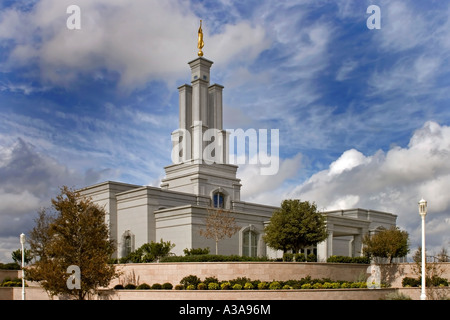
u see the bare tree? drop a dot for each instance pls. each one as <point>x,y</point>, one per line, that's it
<point>219,224</point>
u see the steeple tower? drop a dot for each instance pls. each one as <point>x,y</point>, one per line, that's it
<point>200,145</point>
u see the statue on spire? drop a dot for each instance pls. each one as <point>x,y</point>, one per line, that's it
<point>200,40</point>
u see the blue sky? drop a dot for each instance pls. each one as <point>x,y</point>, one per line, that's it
<point>363,114</point>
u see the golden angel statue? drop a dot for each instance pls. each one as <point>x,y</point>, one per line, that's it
<point>200,40</point>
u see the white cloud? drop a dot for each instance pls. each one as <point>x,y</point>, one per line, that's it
<point>140,40</point>
<point>267,189</point>
<point>393,181</point>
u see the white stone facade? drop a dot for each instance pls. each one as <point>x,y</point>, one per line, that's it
<point>177,211</point>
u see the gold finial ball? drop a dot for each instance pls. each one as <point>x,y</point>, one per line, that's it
<point>200,53</point>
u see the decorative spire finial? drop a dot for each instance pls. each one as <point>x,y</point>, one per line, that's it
<point>200,40</point>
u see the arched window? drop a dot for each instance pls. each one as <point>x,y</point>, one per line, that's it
<point>218,200</point>
<point>127,245</point>
<point>249,243</point>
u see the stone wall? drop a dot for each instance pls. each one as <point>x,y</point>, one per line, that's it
<point>151,273</point>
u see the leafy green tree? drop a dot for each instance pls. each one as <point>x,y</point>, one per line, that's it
<point>73,233</point>
<point>149,252</point>
<point>296,225</point>
<point>17,256</point>
<point>387,243</point>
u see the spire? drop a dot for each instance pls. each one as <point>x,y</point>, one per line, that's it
<point>200,40</point>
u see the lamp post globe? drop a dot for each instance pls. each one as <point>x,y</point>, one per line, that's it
<point>22,242</point>
<point>423,213</point>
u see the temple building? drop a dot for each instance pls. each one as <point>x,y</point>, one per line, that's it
<point>177,210</point>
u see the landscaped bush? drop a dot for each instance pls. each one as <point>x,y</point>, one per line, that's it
<point>143,286</point>
<point>195,252</point>
<point>9,266</point>
<point>156,286</point>
<point>118,287</point>
<point>410,282</point>
<point>211,258</point>
<point>167,286</point>
<point>345,259</point>
<point>130,286</point>
<point>213,286</point>
<point>225,286</point>
<point>209,280</point>
<point>417,282</point>
<point>190,280</point>
<point>248,286</point>
<point>274,285</point>
<point>201,286</point>
<point>317,285</point>
<point>8,282</point>
<point>263,285</point>
<point>311,258</point>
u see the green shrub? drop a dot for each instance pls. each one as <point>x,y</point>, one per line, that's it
<point>213,286</point>
<point>201,286</point>
<point>209,280</point>
<point>274,285</point>
<point>195,252</point>
<point>248,286</point>
<point>211,258</point>
<point>288,257</point>
<point>9,266</point>
<point>167,286</point>
<point>263,285</point>
<point>143,286</point>
<point>306,286</point>
<point>118,287</point>
<point>225,286</point>
<point>15,282</point>
<point>345,259</point>
<point>237,286</point>
<point>130,286</point>
<point>190,280</point>
<point>410,282</point>
<point>346,285</point>
<point>327,285</point>
<point>299,257</point>
<point>190,287</point>
<point>311,257</point>
<point>317,285</point>
<point>286,287</point>
<point>156,286</point>
<point>179,287</point>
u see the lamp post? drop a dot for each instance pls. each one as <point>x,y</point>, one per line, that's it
<point>423,213</point>
<point>22,242</point>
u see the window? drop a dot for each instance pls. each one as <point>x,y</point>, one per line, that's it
<point>249,243</point>
<point>127,245</point>
<point>218,200</point>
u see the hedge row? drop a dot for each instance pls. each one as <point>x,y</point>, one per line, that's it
<point>192,282</point>
<point>8,282</point>
<point>345,259</point>
<point>212,258</point>
<point>9,266</point>
<point>145,286</point>
<point>429,282</point>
